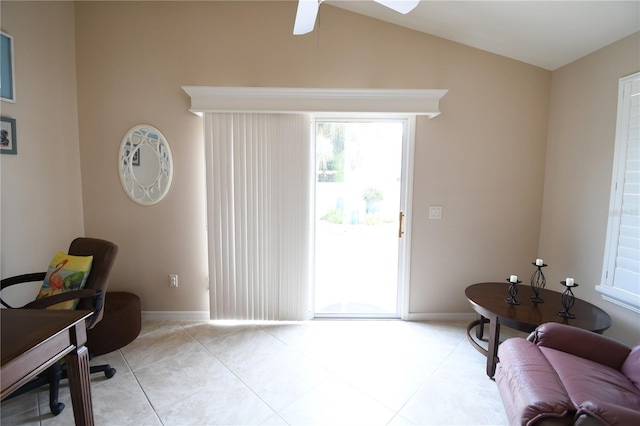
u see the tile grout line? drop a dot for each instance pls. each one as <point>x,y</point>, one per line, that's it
<point>238,377</point>
<point>135,377</point>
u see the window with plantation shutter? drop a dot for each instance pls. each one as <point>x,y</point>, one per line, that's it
<point>621,271</point>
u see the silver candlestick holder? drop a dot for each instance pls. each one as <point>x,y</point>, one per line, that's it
<point>568,299</point>
<point>538,282</point>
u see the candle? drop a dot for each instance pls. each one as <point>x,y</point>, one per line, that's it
<point>513,279</point>
<point>539,262</point>
<point>569,282</point>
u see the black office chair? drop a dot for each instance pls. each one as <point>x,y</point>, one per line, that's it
<point>91,298</point>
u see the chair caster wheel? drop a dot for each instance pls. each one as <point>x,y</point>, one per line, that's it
<point>56,408</point>
<point>110,373</point>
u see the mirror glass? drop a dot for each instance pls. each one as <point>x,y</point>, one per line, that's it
<point>145,164</point>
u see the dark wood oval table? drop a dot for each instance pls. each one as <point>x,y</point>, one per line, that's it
<point>488,300</point>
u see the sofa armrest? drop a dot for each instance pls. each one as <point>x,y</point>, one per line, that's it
<point>610,414</point>
<point>582,343</point>
<point>529,386</point>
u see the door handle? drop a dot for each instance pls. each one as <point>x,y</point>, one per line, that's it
<point>400,227</point>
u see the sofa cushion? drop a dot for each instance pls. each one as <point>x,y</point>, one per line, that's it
<point>586,380</point>
<point>529,386</point>
<point>631,366</point>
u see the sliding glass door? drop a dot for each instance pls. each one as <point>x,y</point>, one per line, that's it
<point>359,203</point>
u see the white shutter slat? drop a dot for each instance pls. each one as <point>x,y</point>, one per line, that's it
<point>629,280</point>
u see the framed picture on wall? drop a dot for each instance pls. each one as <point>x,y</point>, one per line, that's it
<point>8,141</point>
<point>7,82</point>
<point>135,160</point>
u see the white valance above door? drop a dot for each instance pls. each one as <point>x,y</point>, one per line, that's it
<point>314,101</point>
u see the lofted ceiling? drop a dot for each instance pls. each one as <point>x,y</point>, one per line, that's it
<point>547,34</point>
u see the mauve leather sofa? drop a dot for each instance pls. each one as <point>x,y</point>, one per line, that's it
<point>563,375</point>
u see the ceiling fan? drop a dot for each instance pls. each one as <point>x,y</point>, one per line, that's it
<point>308,11</point>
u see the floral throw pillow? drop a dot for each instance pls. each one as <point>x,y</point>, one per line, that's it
<point>65,273</point>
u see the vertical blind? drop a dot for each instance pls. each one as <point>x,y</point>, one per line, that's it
<point>259,215</point>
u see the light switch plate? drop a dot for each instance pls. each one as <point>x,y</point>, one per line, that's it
<point>173,280</point>
<point>435,212</point>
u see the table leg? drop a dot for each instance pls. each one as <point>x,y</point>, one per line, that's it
<point>480,327</point>
<point>494,340</point>
<point>80,384</point>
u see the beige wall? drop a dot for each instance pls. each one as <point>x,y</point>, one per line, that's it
<point>582,125</point>
<point>41,196</point>
<point>482,159</point>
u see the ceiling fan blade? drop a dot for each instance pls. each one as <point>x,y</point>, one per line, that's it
<point>306,16</point>
<point>402,6</point>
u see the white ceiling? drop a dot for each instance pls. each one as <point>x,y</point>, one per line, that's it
<point>548,34</point>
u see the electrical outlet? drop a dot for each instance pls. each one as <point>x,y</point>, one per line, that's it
<point>435,212</point>
<point>173,280</point>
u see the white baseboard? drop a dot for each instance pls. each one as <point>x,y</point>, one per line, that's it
<point>204,316</point>
<point>418,316</point>
<point>176,315</point>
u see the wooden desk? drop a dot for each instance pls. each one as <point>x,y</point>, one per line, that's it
<point>34,339</point>
<point>487,299</point>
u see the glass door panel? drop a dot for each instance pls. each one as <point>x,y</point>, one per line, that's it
<point>359,168</point>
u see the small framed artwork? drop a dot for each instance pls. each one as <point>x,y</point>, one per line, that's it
<point>135,160</point>
<point>8,141</point>
<point>7,82</point>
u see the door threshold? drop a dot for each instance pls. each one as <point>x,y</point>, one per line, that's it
<point>372,317</point>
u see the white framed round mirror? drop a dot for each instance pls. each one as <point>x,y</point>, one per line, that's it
<point>145,164</point>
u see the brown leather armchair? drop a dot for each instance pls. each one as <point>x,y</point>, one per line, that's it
<point>91,298</point>
<point>564,375</point>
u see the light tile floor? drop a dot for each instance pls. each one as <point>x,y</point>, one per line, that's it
<point>316,372</point>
